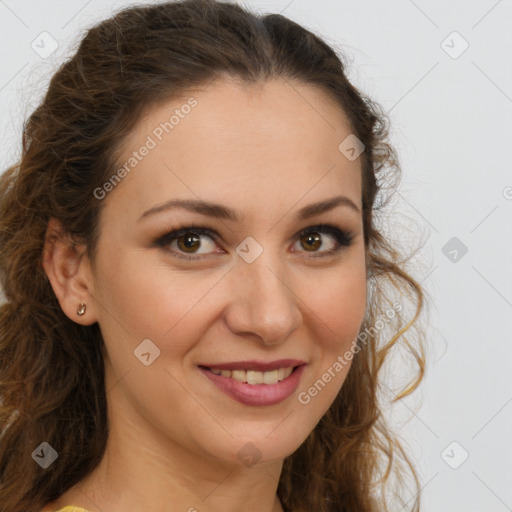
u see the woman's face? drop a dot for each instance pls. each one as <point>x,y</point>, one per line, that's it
<point>256,294</point>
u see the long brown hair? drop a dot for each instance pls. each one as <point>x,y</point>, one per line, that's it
<point>51,368</point>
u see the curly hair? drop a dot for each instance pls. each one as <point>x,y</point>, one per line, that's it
<point>52,369</point>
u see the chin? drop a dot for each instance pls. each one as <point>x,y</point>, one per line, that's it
<point>260,448</point>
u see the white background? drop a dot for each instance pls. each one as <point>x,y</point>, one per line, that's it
<point>451,125</point>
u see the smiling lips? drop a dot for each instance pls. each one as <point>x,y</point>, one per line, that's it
<point>254,382</point>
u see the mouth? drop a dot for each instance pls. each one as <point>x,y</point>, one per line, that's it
<point>255,383</point>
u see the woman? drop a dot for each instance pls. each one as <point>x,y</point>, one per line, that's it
<point>199,300</point>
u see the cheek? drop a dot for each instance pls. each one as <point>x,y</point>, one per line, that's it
<point>336,313</point>
<point>340,306</point>
<point>144,299</point>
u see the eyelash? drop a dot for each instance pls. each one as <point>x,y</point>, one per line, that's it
<point>342,237</point>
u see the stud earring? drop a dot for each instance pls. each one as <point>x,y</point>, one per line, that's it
<point>81,309</point>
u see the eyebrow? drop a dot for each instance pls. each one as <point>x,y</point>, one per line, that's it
<point>222,212</point>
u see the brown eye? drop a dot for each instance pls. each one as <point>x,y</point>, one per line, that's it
<point>312,239</point>
<point>189,242</point>
<point>182,242</point>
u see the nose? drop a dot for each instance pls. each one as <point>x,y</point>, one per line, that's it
<point>263,304</point>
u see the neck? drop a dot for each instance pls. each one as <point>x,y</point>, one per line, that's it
<point>143,470</point>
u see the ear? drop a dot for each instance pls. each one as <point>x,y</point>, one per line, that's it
<point>68,270</point>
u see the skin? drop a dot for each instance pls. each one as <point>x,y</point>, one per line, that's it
<point>266,151</point>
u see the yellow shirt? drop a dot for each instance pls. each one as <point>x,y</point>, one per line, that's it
<point>69,508</point>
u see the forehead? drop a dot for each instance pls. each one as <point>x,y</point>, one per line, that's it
<point>249,146</point>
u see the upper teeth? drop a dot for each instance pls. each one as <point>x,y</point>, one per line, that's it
<point>252,377</point>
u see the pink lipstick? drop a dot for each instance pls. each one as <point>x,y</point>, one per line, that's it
<point>256,382</point>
